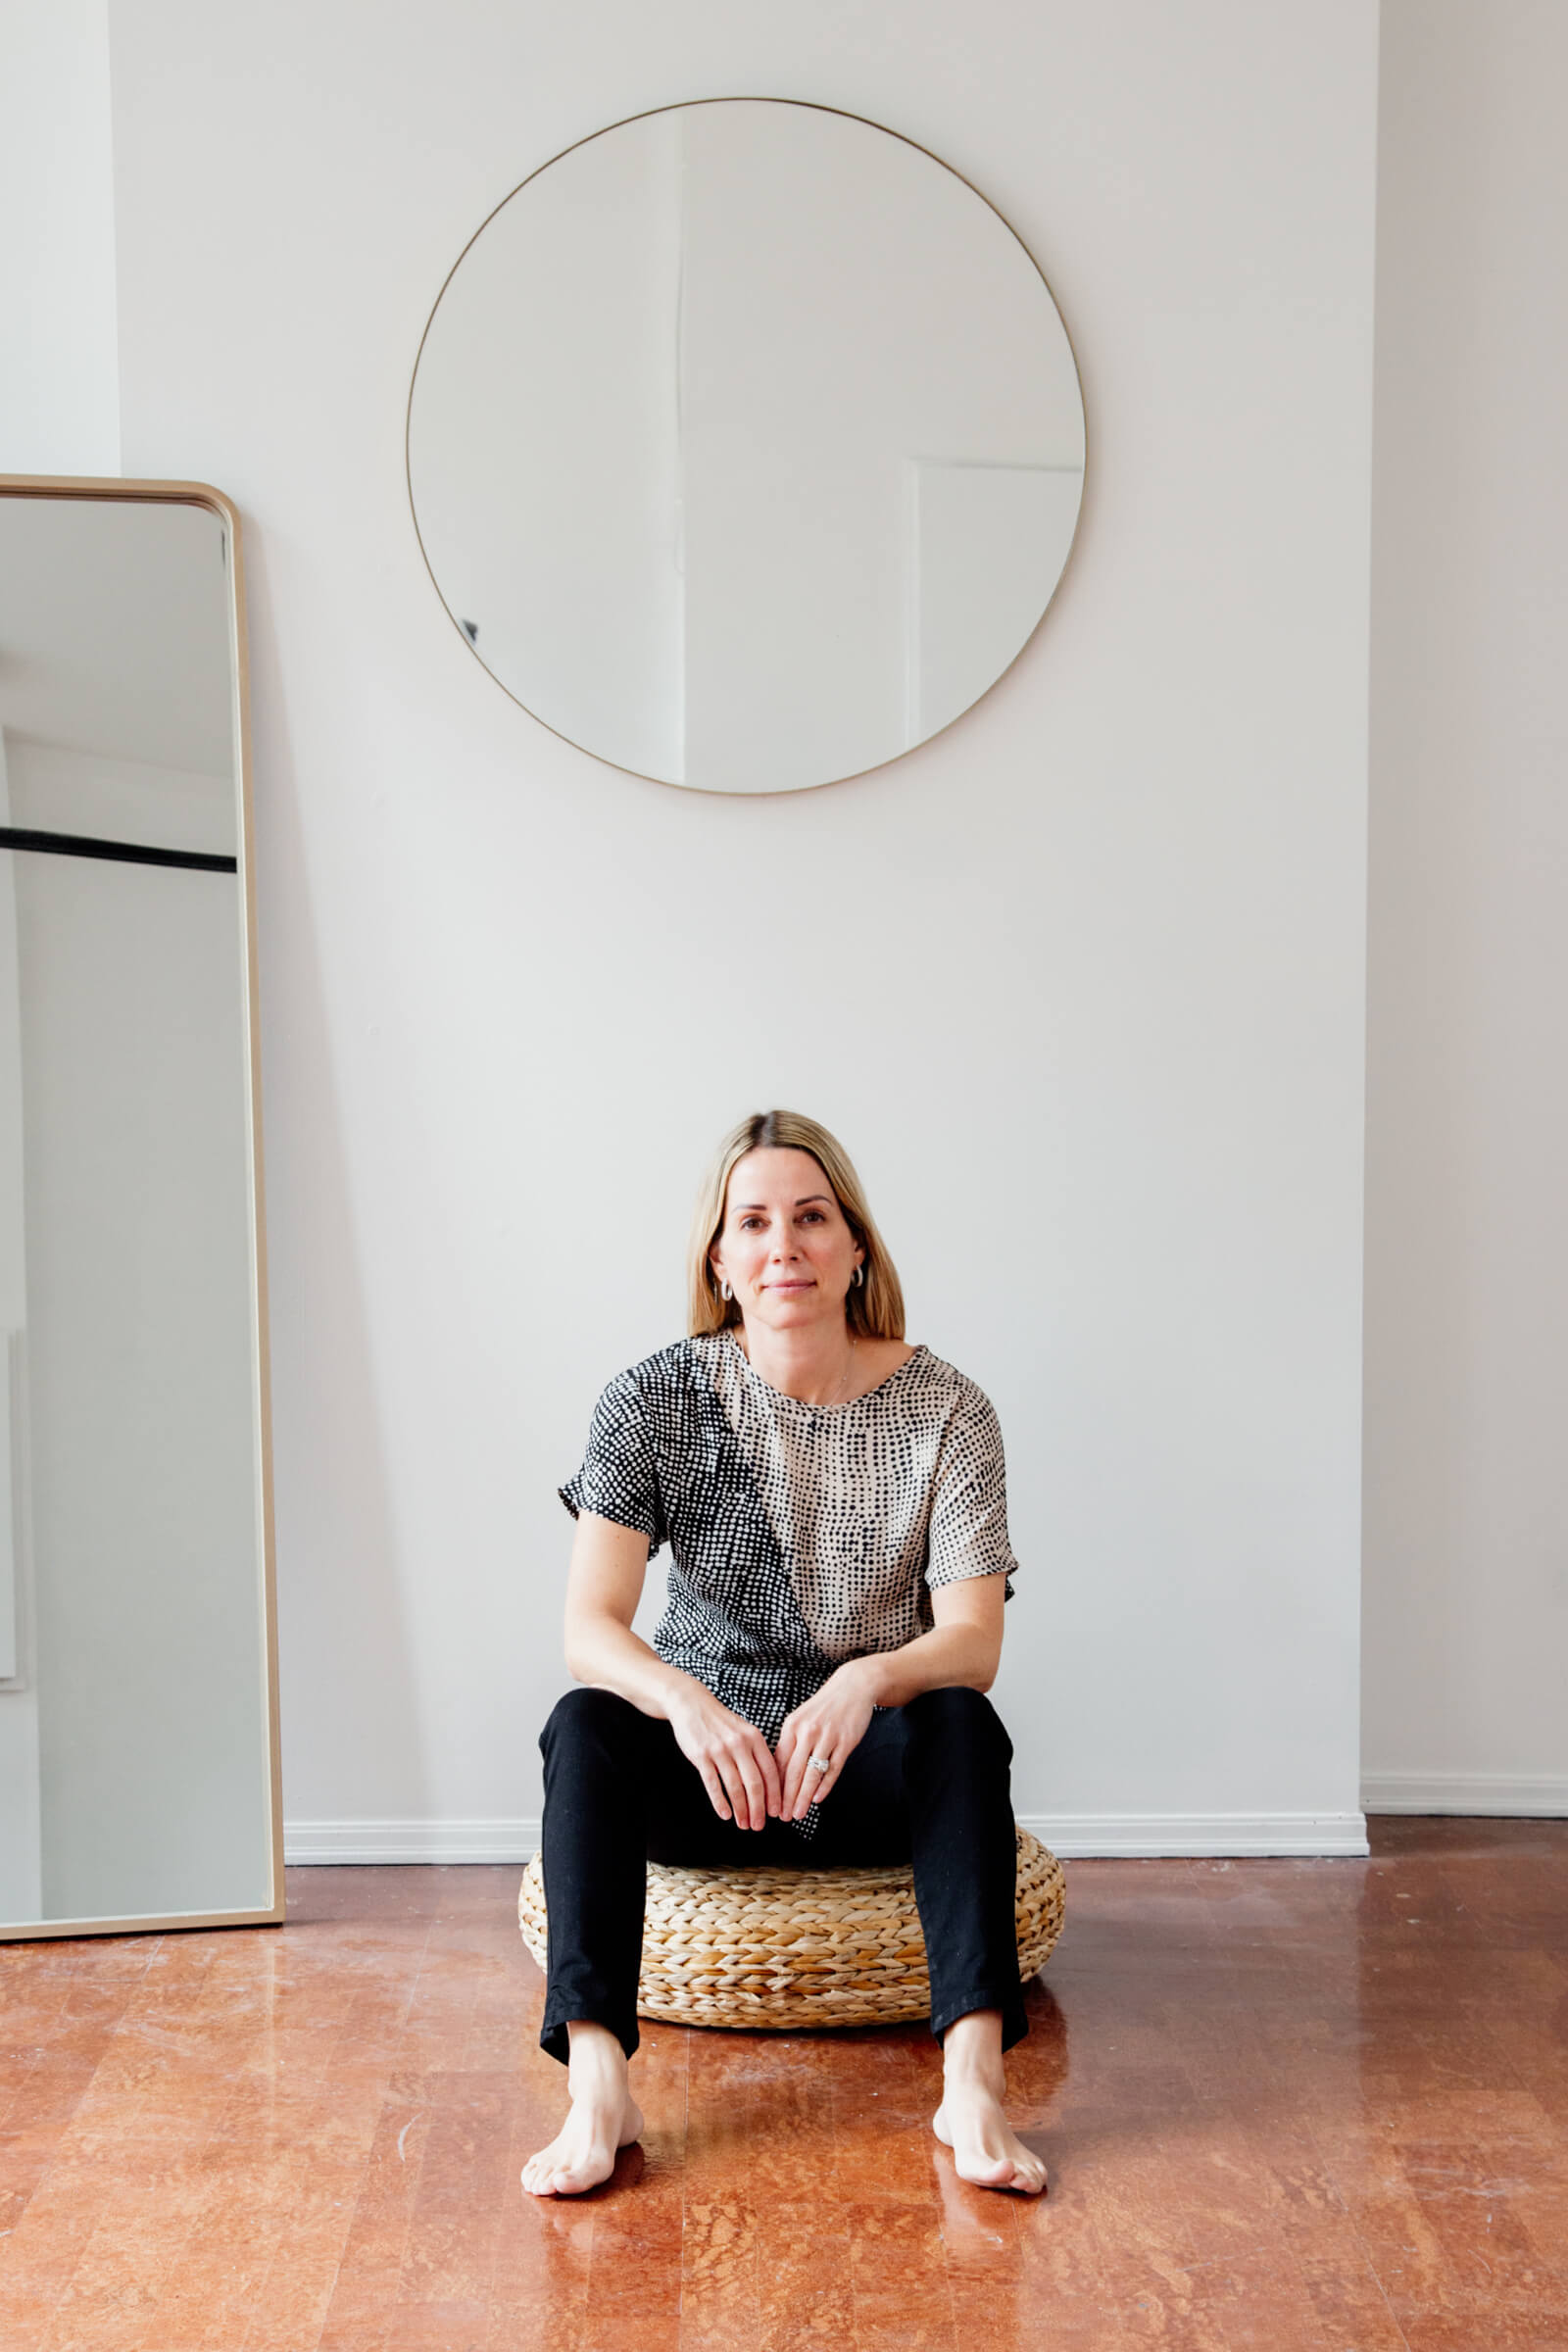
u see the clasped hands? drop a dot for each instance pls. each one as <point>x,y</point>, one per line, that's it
<point>746,1780</point>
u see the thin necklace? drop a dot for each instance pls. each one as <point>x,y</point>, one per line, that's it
<point>845,1382</point>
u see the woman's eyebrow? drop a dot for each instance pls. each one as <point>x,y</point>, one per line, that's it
<point>747,1208</point>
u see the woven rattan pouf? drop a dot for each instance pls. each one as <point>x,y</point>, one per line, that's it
<point>771,1949</point>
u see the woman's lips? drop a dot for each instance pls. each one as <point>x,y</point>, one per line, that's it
<point>789,1286</point>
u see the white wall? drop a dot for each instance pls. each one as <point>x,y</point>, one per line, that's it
<point>1467,1268</point>
<point>58,398</point>
<point>1081,983</point>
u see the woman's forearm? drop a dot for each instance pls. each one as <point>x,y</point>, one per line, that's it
<point>964,1655</point>
<point>609,1655</point>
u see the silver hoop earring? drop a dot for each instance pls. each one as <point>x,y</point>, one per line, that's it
<point>858,1277</point>
<point>724,1290</point>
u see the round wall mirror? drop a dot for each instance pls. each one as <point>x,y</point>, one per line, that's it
<point>746,445</point>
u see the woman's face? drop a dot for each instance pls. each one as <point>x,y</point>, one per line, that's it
<point>784,1247</point>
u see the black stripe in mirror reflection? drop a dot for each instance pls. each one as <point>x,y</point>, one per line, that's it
<point>127,852</point>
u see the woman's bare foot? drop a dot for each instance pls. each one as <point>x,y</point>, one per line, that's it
<point>970,2120</point>
<point>604,2117</point>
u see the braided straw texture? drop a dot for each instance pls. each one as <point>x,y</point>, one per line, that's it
<point>775,1950</point>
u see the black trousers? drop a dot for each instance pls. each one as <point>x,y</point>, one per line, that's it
<point>927,1784</point>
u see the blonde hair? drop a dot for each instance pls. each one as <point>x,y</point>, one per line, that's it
<point>874,1307</point>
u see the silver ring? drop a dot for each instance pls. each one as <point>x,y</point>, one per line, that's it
<point>820,1763</point>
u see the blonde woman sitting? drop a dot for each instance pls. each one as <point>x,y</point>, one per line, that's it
<point>835,1504</point>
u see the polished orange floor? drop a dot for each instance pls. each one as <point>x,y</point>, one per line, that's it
<point>1295,2106</point>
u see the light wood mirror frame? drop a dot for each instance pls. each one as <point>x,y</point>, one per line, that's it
<point>202,495</point>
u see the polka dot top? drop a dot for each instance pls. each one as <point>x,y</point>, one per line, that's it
<point>800,1535</point>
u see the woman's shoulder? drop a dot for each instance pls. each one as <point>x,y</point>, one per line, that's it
<point>880,1364</point>
<point>931,1383</point>
<point>665,1373</point>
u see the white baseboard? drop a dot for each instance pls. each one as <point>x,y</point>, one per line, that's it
<point>1072,1836</point>
<point>491,1840</point>
<point>1192,1835</point>
<point>1528,1796</point>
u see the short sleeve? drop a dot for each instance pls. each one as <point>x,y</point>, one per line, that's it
<point>619,1475</point>
<point>969,1524</point>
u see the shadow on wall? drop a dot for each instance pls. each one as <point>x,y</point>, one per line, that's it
<point>334,1520</point>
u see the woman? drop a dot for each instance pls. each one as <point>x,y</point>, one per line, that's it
<point>836,1506</point>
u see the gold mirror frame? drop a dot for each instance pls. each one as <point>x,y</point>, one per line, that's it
<point>201,494</point>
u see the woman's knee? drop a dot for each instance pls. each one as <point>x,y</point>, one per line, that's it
<point>960,1721</point>
<point>585,1719</point>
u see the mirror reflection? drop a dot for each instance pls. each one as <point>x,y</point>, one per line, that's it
<point>746,445</point>
<point>137,1765</point>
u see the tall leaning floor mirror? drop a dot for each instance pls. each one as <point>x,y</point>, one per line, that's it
<point>139,1778</point>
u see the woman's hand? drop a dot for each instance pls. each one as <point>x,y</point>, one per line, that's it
<point>831,1724</point>
<point>734,1760</point>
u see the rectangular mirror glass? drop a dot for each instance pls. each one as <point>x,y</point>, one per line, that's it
<point>138,1747</point>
